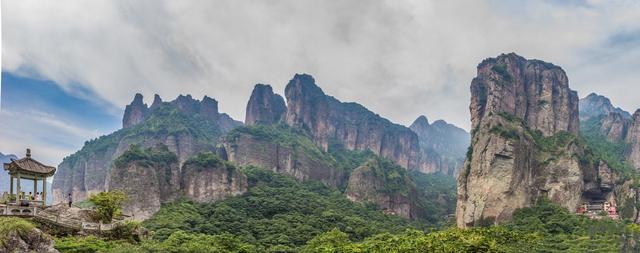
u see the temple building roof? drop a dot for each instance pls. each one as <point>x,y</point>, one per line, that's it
<point>28,166</point>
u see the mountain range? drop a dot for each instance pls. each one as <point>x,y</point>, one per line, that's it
<point>186,148</point>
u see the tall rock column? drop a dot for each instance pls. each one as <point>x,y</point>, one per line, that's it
<point>135,112</point>
<point>264,106</point>
<point>514,103</point>
<point>633,139</point>
<point>329,121</point>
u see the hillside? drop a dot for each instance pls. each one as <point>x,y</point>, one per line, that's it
<point>186,126</point>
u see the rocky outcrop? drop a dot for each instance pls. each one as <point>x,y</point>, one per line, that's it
<point>153,176</point>
<point>633,139</point>
<point>186,126</point>
<point>135,112</point>
<point>614,126</point>
<point>443,146</point>
<point>518,107</point>
<point>534,91</point>
<point>264,106</point>
<point>206,178</point>
<point>385,184</point>
<point>596,105</point>
<point>283,151</point>
<point>328,121</point>
<point>24,237</point>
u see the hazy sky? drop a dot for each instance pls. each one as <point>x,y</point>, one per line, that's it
<point>400,59</point>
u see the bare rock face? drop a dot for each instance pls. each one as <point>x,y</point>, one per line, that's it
<point>153,176</point>
<point>384,184</point>
<point>596,105</point>
<point>328,120</point>
<point>633,139</point>
<point>614,126</point>
<point>515,104</point>
<point>206,178</point>
<point>534,91</point>
<point>32,240</point>
<point>186,126</point>
<point>443,146</point>
<point>264,106</point>
<point>135,112</point>
<point>300,159</point>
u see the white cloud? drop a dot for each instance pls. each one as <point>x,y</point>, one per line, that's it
<point>49,137</point>
<point>399,58</point>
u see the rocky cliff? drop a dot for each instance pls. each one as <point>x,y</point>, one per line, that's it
<point>186,126</point>
<point>264,106</point>
<point>524,143</point>
<point>328,120</point>
<point>595,105</point>
<point>615,124</point>
<point>443,144</point>
<point>281,150</point>
<point>385,184</point>
<point>153,176</point>
<point>633,140</point>
<point>135,112</point>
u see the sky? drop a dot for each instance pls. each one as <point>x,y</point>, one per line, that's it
<point>69,67</point>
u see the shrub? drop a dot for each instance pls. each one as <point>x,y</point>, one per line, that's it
<point>108,204</point>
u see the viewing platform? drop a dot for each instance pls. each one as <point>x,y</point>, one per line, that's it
<point>33,204</point>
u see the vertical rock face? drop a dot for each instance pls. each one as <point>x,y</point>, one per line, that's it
<point>295,156</point>
<point>135,112</point>
<point>152,177</point>
<point>442,144</point>
<point>633,139</point>
<point>614,126</point>
<point>386,185</point>
<point>596,105</point>
<point>264,106</point>
<point>328,121</point>
<point>534,91</point>
<point>207,182</point>
<point>186,126</point>
<point>515,103</point>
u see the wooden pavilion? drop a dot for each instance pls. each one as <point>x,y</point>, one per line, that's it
<point>28,168</point>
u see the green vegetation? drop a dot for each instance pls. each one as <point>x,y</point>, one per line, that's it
<point>108,204</point>
<point>501,70</point>
<point>276,212</point>
<point>601,149</point>
<point>437,195</point>
<point>11,226</point>
<point>149,157</point>
<point>545,227</point>
<point>285,136</point>
<point>166,120</point>
<point>347,159</point>
<point>394,177</point>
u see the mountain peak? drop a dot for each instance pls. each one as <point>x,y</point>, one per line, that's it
<point>157,101</point>
<point>135,112</point>
<point>595,105</point>
<point>421,120</point>
<point>264,106</point>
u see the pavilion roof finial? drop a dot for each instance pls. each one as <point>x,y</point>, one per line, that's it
<point>28,153</point>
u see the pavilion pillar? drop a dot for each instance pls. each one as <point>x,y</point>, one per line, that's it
<point>44,191</point>
<point>35,186</point>
<point>11,185</point>
<point>18,189</point>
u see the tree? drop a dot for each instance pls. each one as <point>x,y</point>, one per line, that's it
<point>108,204</point>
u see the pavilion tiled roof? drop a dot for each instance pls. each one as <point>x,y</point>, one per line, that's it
<point>28,164</point>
